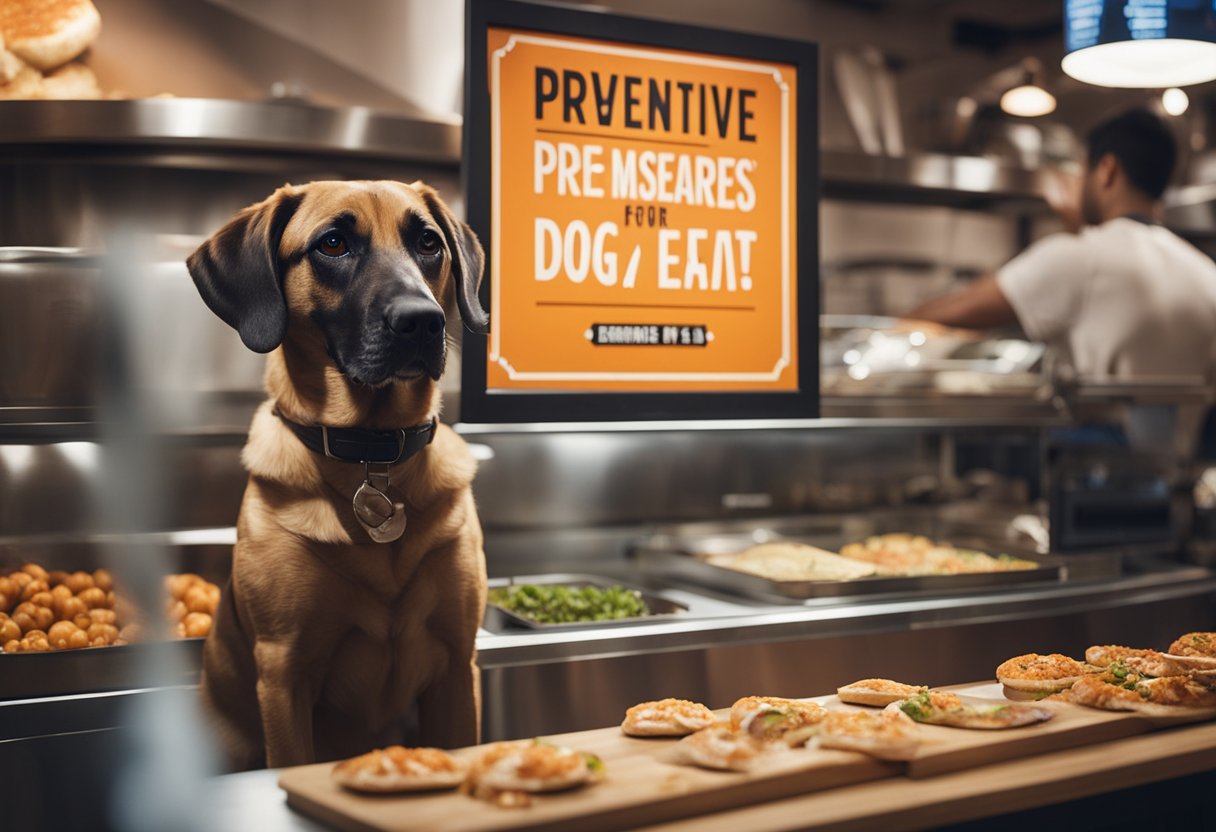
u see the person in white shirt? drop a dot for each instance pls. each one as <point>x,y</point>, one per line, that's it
<point>1122,299</point>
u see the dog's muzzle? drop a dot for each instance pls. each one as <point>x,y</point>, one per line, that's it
<point>414,320</point>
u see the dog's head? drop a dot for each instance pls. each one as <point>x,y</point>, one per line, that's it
<point>376,267</point>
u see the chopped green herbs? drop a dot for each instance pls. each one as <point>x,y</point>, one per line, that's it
<point>918,707</point>
<point>558,604</point>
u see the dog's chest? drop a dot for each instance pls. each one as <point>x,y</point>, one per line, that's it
<point>386,658</point>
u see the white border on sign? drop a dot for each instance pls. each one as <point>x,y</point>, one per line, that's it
<point>496,166</point>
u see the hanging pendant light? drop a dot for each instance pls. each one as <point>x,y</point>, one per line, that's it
<point>1029,99</point>
<point>1140,43</point>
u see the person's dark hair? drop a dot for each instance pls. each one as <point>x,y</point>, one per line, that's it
<point>1144,146</point>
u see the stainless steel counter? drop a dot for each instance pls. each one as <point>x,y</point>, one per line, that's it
<point>714,622</point>
<point>539,683</point>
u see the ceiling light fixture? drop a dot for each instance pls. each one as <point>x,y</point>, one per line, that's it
<point>1175,101</point>
<point>1029,99</point>
<point>1139,43</point>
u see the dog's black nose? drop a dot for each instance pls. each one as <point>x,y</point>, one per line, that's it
<point>414,318</point>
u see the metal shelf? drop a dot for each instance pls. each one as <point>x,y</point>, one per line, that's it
<point>203,123</point>
<point>931,178</point>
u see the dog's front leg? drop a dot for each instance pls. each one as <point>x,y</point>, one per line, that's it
<point>286,706</point>
<point>449,710</point>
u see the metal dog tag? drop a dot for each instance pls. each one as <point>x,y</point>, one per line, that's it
<point>383,519</point>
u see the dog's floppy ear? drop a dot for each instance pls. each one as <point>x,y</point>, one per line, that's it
<point>468,260</point>
<point>238,272</point>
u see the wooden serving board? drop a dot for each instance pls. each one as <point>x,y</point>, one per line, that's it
<point>641,788</point>
<point>944,750</point>
<point>644,785</point>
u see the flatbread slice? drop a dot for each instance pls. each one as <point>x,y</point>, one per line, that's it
<point>744,710</point>
<point>1198,650</point>
<point>666,718</point>
<point>1198,645</point>
<point>1159,664</point>
<point>781,722</point>
<point>1104,655</point>
<point>398,769</point>
<point>1047,673</point>
<point>879,692</point>
<point>788,561</point>
<point>886,735</point>
<point>530,766</point>
<point>939,708</point>
<point>1190,691</point>
<point>721,747</point>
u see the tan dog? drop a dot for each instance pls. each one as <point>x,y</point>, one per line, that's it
<point>325,640</point>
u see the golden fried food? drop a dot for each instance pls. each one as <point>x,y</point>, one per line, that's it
<point>93,597</point>
<point>8,629</point>
<point>666,718</point>
<point>398,769</point>
<point>78,582</point>
<point>34,601</point>
<point>34,586</point>
<point>35,571</point>
<point>195,625</point>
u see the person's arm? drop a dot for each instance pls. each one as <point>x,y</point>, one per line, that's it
<point>1041,289</point>
<point>981,305</point>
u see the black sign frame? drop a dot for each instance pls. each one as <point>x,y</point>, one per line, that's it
<point>477,404</point>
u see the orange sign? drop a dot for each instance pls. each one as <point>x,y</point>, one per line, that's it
<point>642,219</point>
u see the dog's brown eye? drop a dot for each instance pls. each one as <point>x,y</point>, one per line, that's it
<point>429,242</point>
<point>332,245</point>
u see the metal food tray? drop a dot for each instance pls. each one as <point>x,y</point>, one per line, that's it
<point>498,619</point>
<point>685,559</point>
<point>94,669</point>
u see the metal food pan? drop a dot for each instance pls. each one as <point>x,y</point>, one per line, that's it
<point>94,669</point>
<point>114,667</point>
<point>685,558</point>
<point>498,619</point>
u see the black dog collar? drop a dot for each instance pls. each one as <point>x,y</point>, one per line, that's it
<point>359,445</point>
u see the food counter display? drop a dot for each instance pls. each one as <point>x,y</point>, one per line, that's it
<point>728,560</point>
<point>876,751</point>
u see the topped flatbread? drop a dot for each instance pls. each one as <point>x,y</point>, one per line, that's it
<point>745,710</point>
<point>398,769</point>
<point>787,561</point>
<point>1104,655</point>
<point>1160,664</point>
<point>1201,647</point>
<point>1046,673</point>
<point>940,708</point>
<point>879,692</point>
<point>666,718</point>
<point>531,766</point>
<point>778,722</point>
<point>721,747</point>
<point>887,735</point>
